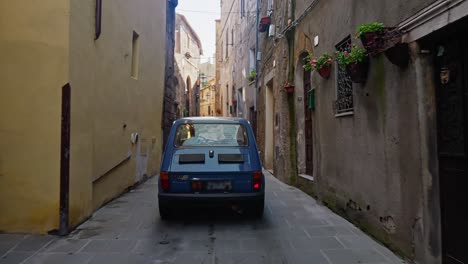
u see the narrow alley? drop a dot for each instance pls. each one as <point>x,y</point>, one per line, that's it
<point>294,229</point>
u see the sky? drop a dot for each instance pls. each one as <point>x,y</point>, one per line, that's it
<point>201,15</point>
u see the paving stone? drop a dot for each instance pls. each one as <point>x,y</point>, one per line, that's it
<point>59,258</point>
<point>33,243</point>
<point>4,249</point>
<point>294,229</point>
<point>119,258</point>
<point>316,243</point>
<point>65,246</point>
<point>15,257</point>
<point>354,256</point>
<point>227,245</point>
<point>10,239</point>
<point>328,231</point>
<point>354,241</point>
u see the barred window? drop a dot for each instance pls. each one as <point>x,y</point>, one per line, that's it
<point>344,86</point>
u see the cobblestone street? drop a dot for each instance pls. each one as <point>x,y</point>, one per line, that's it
<point>295,229</point>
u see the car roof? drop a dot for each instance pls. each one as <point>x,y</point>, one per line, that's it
<point>223,120</point>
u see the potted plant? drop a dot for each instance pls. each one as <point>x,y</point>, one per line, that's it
<point>355,62</point>
<point>371,36</point>
<point>289,87</point>
<point>251,77</point>
<point>322,64</point>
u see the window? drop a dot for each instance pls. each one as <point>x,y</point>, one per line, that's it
<point>270,7</point>
<point>242,8</point>
<point>222,51</point>
<point>251,60</point>
<point>344,86</point>
<point>227,43</point>
<point>188,41</point>
<point>98,19</point>
<point>135,54</point>
<point>211,134</point>
<point>177,44</point>
<point>232,37</point>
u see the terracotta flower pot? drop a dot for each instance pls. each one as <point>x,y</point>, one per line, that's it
<point>325,71</point>
<point>357,71</point>
<point>289,88</point>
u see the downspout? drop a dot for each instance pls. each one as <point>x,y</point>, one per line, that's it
<point>256,57</point>
<point>292,110</point>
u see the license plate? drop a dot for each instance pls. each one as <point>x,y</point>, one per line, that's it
<point>218,186</point>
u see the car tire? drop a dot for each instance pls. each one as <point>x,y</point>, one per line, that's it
<point>164,212</point>
<point>256,210</point>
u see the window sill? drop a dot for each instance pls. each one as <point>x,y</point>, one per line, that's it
<point>350,113</point>
<point>307,177</point>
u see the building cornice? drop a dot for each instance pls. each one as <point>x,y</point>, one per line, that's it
<point>433,17</point>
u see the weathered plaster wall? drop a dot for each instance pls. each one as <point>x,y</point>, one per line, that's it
<point>373,165</point>
<point>108,104</point>
<point>34,47</point>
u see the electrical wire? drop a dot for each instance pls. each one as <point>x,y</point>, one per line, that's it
<point>212,12</point>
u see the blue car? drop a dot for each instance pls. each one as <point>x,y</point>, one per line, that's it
<point>211,161</point>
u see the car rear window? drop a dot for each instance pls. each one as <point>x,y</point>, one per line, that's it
<point>224,135</point>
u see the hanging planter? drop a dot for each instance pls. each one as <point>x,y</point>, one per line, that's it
<point>289,88</point>
<point>399,54</point>
<point>355,62</point>
<point>322,64</point>
<point>371,35</point>
<point>358,71</point>
<point>325,71</point>
<point>264,23</point>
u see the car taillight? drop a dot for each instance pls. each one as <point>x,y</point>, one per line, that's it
<point>257,180</point>
<point>164,179</point>
<point>197,186</point>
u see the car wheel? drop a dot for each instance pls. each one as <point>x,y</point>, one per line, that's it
<point>256,210</point>
<point>164,211</point>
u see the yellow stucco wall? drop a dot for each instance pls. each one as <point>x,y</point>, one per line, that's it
<point>33,68</point>
<point>108,105</point>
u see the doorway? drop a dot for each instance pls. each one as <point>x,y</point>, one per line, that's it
<point>451,78</point>
<point>269,126</point>
<point>308,130</point>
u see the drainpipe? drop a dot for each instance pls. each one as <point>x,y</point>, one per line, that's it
<point>256,56</point>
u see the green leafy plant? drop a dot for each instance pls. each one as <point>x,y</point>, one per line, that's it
<point>345,58</point>
<point>252,75</point>
<point>369,28</point>
<point>318,63</point>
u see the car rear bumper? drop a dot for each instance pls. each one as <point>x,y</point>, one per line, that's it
<point>209,199</point>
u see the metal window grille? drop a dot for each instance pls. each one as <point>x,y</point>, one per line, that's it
<point>344,97</point>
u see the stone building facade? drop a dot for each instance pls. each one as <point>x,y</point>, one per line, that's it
<point>208,98</point>
<point>389,154</point>
<point>237,43</point>
<point>188,49</point>
<point>227,35</point>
